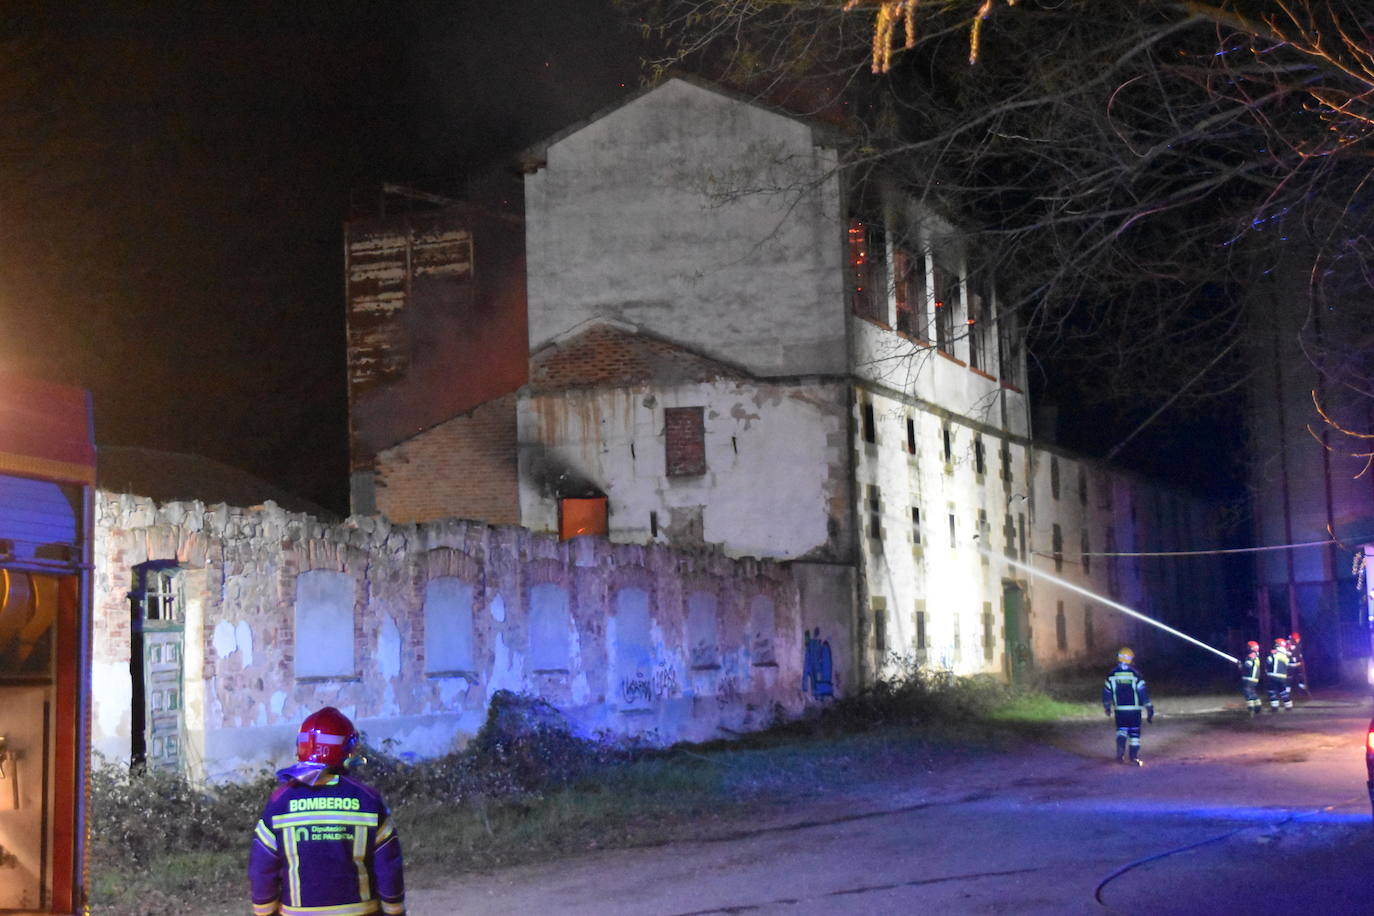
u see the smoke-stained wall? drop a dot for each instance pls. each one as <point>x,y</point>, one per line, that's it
<point>411,629</point>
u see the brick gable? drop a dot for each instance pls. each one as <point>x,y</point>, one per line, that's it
<point>608,356</point>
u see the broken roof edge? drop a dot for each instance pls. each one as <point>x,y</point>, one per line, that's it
<point>534,157</point>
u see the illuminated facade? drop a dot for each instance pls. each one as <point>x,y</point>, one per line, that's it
<point>735,347</point>
<point>860,401</point>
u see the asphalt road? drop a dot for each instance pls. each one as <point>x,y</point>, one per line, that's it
<point>1227,816</point>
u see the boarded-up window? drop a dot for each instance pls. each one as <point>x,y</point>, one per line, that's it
<point>702,637</point>
<point>685,435</point>
<point>762,627</point>
<point>448,626</point>
<point>634,655</point>
<point>324,624</point>
<point>550,628</point>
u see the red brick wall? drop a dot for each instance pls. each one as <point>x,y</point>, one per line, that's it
<point>464,468</point>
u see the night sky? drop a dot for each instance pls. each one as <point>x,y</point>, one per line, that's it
<point>174,179</point>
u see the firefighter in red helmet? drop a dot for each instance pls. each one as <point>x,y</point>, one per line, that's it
<point>1276,677</point>
<point>325,842</point>
<point>1297,666</point>
<point>1250,677</point>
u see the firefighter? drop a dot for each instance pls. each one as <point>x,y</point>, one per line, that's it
<point>1297,670</point>
<point>1125,695</point>
<point>1276,676</point>
<point>1250,678</point>
<point>325,842</point>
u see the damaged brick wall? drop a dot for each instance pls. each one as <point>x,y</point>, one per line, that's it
<point>609,642</point>
<point>465,467</point>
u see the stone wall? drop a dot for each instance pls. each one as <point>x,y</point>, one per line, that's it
<point>410,629</point>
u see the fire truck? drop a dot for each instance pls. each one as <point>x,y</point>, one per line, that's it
<point>47,480</point>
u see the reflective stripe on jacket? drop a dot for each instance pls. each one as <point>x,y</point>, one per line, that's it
<point>1124,690</point>
<point>326,850</point>
<point>1277,665</point>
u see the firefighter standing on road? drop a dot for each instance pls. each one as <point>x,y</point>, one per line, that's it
<point>1125,695</point>
<point>1250,678</point>
<point>1276,676</point>
<point>325,843</point>
<point>1297,670</point>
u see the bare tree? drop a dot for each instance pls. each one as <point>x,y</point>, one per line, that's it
<point>1127,168</point>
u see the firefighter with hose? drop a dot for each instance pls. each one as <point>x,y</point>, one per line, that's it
<point>1250,677</point>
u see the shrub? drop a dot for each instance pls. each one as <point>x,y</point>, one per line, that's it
<point>138,816</point>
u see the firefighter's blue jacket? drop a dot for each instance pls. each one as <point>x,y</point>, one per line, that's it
<point>1125,691</point>
<point>325,846</point>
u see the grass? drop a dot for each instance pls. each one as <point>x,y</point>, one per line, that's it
<point>160,845</point>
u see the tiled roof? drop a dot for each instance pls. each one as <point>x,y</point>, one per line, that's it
<point>609,356</point>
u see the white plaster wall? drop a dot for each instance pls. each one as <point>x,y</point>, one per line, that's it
<point>766,445</point>
<point>659,214</point>
<point>920,372</point>
<point>951,577</point>
<point>955,580</point>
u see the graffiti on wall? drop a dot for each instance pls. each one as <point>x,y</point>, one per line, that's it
<point>640,689</point>
<point>817,666</point>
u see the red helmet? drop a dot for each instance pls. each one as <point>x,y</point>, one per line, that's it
<point>1252,646</point>
<point>327,737</point>
<point>1294,637</point>
<point>1280,643</point>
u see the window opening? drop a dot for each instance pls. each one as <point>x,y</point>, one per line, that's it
<point>1089,636</point>
<point>951,529</point>
<point>947,438</point>
<point>946,304</point>
<point>880,629</point>
<point>920,625</point>
<point>1061,628</point>
<point>1054,478</point>
<point>979,457</point>
<point>875,515</point>
<point>1057,540</point>
<point>684,441</point>
<point>1008,346</point>
<point>870,424</point>
<point>911,435</point>
<point>909,291</point>
<point>1082,487</point>
<point>989,638</point>
<point>1086,549</point>
<point>867,270</point>
<point>916,525</point>
<point>977,327</point>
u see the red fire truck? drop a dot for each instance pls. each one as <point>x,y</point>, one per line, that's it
<point>47,479</point>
